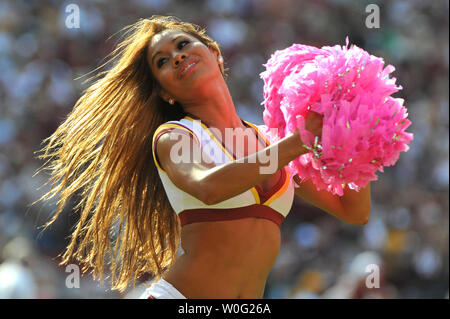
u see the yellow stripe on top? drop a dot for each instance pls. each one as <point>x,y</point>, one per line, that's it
<point>259,132</point>
<point>167,126</point>
<point>280,191</point>
<point>286,182</point>
<point>255,195</point>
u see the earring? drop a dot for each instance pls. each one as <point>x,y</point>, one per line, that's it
<point>220,60</point>
<point>171,101</point>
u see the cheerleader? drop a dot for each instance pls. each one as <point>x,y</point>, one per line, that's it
<point>166,92</point>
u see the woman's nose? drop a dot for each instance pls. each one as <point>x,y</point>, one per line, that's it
<point>179,58</point>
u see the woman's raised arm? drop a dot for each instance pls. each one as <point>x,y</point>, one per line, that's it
<point>212,184</point>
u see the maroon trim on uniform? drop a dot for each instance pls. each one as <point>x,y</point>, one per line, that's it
<point>189,216</point>
<point>156,139</point>
<point>264,196</point>
<point>164,131</point>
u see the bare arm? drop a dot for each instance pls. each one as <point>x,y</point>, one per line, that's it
<point>212,184</point>
<point>353,207</point>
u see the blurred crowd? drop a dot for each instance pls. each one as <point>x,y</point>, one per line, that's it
<point>406,240</point>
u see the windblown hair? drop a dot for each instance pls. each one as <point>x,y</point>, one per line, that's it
<point>103,152</point>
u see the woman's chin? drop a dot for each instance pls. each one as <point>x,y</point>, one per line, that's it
<point>201,78</point>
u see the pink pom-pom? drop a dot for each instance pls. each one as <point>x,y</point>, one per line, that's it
<point>363,125</point>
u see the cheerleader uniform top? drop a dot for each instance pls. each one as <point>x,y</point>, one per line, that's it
<point>273,204</point>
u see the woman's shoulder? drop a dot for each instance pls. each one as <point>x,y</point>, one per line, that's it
<point>182,123</point>
<point>178,125</point>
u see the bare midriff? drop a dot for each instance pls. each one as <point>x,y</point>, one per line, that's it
<point>225,259</point>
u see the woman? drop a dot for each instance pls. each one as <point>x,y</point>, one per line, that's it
<point>166,92</point>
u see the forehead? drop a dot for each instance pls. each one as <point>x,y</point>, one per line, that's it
<point>159,39</point>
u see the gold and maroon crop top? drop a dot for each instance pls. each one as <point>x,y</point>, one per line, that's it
<point>273,205</point>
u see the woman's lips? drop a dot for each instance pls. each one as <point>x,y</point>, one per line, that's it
<point>187,68</point>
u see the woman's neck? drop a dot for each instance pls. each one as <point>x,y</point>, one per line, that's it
<point>214,106</point>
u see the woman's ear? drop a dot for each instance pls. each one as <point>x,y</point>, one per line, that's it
<point>164,95</point>
<point>219,59</point>
<point>215,52</point>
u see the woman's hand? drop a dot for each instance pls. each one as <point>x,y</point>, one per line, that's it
<point>314,123</point>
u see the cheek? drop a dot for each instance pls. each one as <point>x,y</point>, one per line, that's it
<point>201,50</point>
<point>165,78</point>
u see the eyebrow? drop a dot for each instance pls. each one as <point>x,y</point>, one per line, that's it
<point>173,40</point>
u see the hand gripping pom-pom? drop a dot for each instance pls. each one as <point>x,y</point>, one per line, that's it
<point>363,125</point>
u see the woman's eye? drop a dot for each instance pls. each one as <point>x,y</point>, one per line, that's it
<point>161,62</point>
<point>180,44</point>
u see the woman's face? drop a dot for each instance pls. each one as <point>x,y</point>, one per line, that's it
<point>181,64</point>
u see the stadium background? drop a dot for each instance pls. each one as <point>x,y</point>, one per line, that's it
<point>320,257</point>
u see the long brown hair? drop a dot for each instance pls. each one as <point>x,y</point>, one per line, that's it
<point>103,152</point>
